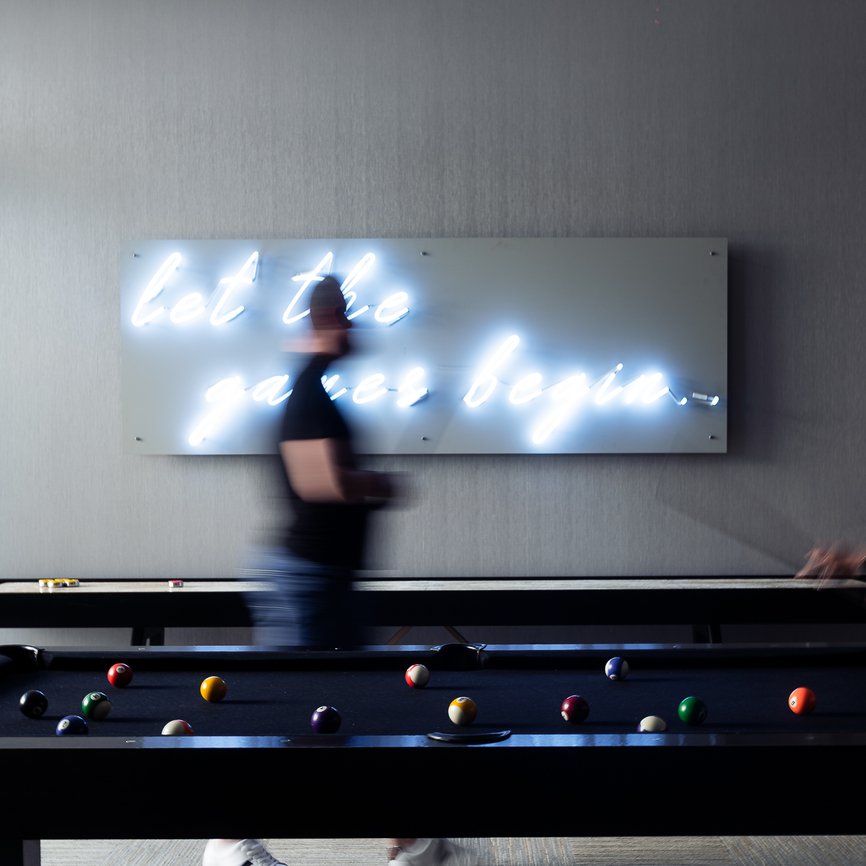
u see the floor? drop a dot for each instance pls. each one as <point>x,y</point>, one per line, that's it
<point>655,851</point>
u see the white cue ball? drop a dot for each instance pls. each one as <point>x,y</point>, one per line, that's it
<point>177,727</point>
<point>652,725</point>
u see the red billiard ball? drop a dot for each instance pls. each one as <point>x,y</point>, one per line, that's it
<point>325,720</point>
<point>574,709</point>
<point>802,701</point>
<point>120,675</point>
<point>417,676</point>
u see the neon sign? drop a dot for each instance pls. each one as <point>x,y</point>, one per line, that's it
<point>554,385</point>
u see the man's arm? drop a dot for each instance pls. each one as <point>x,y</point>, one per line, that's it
<point>319,471</point>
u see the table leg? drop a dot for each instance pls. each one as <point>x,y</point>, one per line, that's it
<point>20,852</point>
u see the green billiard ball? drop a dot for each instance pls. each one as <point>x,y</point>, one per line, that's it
<point>95,706</point>
<point>692,710</point>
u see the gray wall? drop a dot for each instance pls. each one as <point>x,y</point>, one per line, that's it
<point>124,119</point>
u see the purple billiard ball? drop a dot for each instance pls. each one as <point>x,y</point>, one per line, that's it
<point>574,709</point>
<point>325,720</point>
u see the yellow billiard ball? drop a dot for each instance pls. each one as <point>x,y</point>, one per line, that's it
<point>213,689</point>
<point>462,711</point>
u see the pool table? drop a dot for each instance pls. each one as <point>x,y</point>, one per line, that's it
<point>461,604</point>
<point>254,767</point>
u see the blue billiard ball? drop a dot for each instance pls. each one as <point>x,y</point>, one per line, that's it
<point>325,720</point>
<point>616,668</point>
<point>70,726</point>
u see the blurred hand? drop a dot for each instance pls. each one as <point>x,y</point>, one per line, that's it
<point>835,561</point>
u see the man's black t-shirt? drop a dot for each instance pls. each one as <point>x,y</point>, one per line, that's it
<point>332,533</point>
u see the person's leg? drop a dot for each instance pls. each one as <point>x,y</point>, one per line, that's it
<point>320,593</point>
<point>274,610</point>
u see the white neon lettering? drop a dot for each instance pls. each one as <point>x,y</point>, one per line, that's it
<point>485,382</point>
<point>645,388</point>
<point>242,279</point>
<point>393,308</point>
<point>306,280</point>
<point>269,390</point>
<point>527,389</point>
<point>226,394</point>
<point>354,276</point>
<point>662,392</point>
<point>566,394</point>
<point>152,291</point>
<point>412,388</point>
<point>189,307</point>
<point>328,382</point>
<point>370,389</point>
<point>632,391</point>
<point>604,393</point>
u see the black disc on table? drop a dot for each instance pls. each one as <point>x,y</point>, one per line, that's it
<point>469,737</point>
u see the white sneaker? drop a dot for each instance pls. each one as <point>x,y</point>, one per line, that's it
<point>437,852</point>
<point>246,852</point>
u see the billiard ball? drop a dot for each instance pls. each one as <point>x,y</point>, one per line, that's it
<point>213,689</point>
<point>33,704</point>
<point>652,725</point>
<point>120,675</point>
<point>692,710</point>
<point>616,668</point>
<point>177,727</point>
<point>462,711</point>
<point>325,720</point>
<point>417,676</point>
<point>71,725</point>
<point>802,701</point>
<point>95,706</point>
<point>574,709</point>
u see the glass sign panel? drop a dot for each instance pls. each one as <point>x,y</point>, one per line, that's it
<point>462,346</point>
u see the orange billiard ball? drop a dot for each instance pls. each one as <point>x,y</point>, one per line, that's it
<point>213,689</point>
<point>802,701</point>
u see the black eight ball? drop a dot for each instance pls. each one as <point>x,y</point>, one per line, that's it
<point>33,704</point>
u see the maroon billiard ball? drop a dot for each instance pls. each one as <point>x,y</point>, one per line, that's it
<point>325,720</point>
<point>574,709</point>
